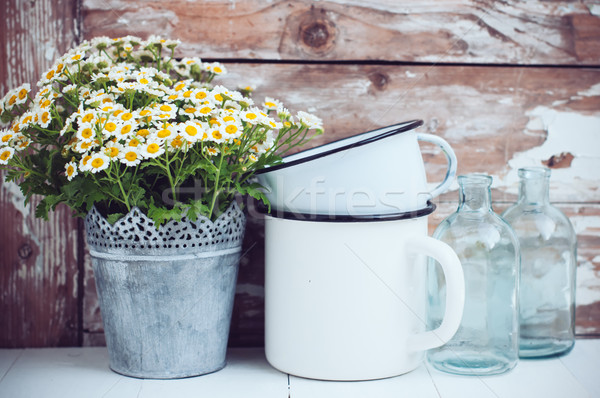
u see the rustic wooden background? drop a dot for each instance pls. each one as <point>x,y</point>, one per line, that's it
<point>507,84</point>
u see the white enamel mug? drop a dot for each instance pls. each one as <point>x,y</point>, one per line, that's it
<point>377,172</point>
<point>346,300</point>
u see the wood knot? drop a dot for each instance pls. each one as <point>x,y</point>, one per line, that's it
<point>316,32</point>
<point>379,80</point>
<point>315,35</point>
<point>25,251</point>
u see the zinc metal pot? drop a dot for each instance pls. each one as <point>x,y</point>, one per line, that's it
<point>166,295</point>
<point>345,298</point>
<point>377,172</point>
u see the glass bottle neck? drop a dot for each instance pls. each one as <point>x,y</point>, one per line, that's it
<point>534,185</point>
<point>475,194</point>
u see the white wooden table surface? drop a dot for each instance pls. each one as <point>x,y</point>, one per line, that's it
<point>84,373</point>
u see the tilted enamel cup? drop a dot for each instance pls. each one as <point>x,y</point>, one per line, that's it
<point>377,172</point>
<point>345,299</point>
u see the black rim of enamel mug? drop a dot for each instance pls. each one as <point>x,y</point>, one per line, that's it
<point>393,130</point>
<point>289,215</point>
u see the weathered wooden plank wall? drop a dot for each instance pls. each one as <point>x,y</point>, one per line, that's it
<point>507,84</point>
<point>39,278</point>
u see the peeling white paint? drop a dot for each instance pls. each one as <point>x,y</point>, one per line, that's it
<point>583,224</point>
<point>566,132</point>
<point>588,287</point>
<point>410,75</point>
<point>592,91</point>
<point>13,193</point>
<point>594,9</point>
<point>50,52</point>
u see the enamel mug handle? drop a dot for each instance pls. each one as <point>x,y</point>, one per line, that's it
<point>455,292</point>
<point>450,156</point>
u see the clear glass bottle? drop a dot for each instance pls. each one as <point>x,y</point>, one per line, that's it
<point>548,266</point>
<point>487,340</point>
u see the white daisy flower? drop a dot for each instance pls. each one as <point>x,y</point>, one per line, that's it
<point>152,148</point>
<point>231,130</point>
<point>252,116</point>
<point>6,154</point>
<point>84,146</point>
<point>112,149</point>
<point>85,132</point>
<point>6,136</point>
<point>309,120</point>
<point>71,170</point>
<point>192,131</point>
<point>98,162</point>
<point>215,67</point>
<point>130,156</point>
<point>210,151</point>
<point>271,104</point>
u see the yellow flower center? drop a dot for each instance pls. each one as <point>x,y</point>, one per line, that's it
<point>187,94</point>
<point>190,110</point>
<point>180,87</point>
<point>6,137</point>
<point>59,68</point>
<point>86,159</point>
<point>5,155</point>
<point>229,118</point>
<point>134,142</point>
<point>205,110</point>
<point>217,135</point>
<point>217,69</point>
<point>87,118</point>
<point>45,117</point>
<point>131,156</point>
<point>110,126</point>
<point>145,112</point>
<point>45,103</point>
<point>153,148</point>
<point>87,133</point>
<point>22,94</point>
<point>76,57</point>
<point>191,130</point>
<point>165,108</point>
<point>270,105</point>
<point>231,129</point>
<point>126,116</point>
<point>143,132</point>
<point>219,97</point>
<point>50,74</point>
<point>251,116</point>
<point>70,170</point>
<point>143,80</point>
<point>97,163</point>
<point>126,129</point>
<point>176,143</point>
<point>200,95</point>
<point>164,133</point>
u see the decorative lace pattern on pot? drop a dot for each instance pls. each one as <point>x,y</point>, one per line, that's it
<point>135,233</point>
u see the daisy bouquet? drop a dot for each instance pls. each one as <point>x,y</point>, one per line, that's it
<point>118,123</point>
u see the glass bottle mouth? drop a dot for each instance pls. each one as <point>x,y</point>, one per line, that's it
<point>534,172</point>
<point>475,179</point>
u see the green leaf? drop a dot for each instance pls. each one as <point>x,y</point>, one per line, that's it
<point>114,217</point>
